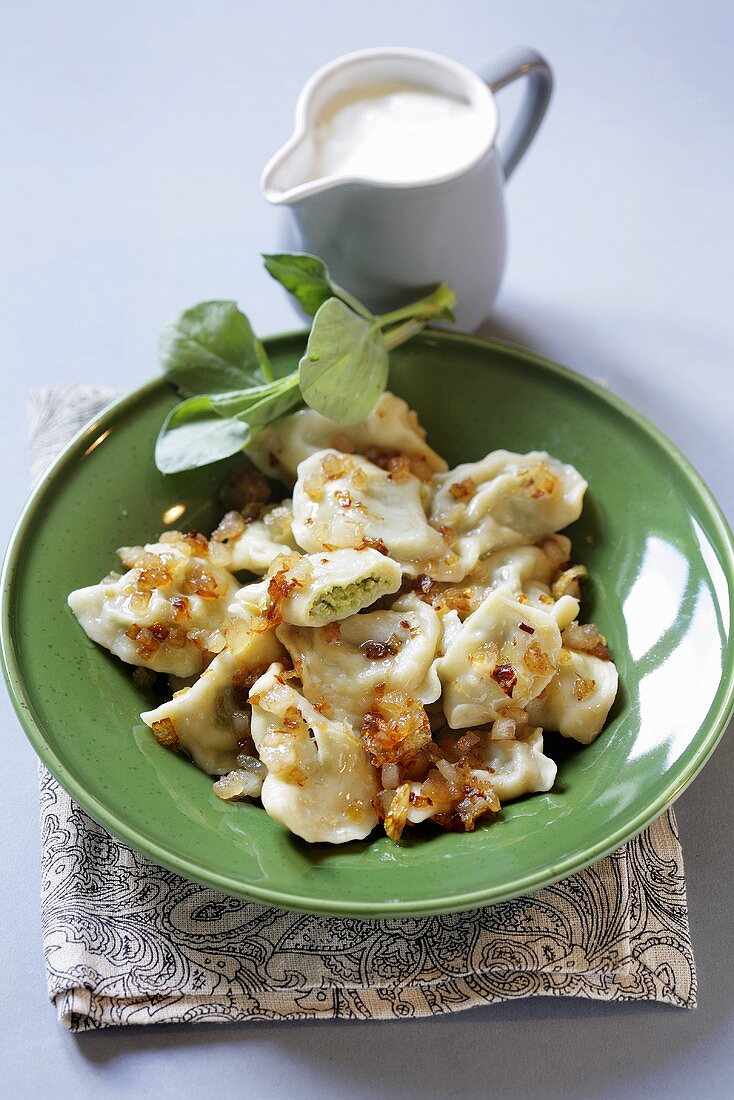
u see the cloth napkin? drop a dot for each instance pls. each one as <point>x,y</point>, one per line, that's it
<point>128,942</point>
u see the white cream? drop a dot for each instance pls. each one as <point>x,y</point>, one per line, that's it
<point>394,132</point>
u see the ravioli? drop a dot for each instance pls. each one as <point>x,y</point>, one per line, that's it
<point>341,666</point>
<point>391,429</point>
<point>323,588</point>
<point>526,571</point>
<point>210,717</point>
<point>578,699</point>
<point>518,765</point>
<point>320,783</point>
<point>512,767</point>
<point>505,654</point>
<point>505,499</point>
<point>161,614</point>
<point>346,501</point>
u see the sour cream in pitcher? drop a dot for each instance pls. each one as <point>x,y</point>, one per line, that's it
<point>397,133</point>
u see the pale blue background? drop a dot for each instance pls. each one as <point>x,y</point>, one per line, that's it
<point>131,140</point>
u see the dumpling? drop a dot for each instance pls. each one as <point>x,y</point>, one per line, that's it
<point>254,546</point>
<point>209,718</point>
<point>390,430</point>
<point>512,768</point>
<point>526,571</point>
<point>579,697</point>
<point>333,584</point>
<point>342,665</point>
<point>518,766</point>
<point>344,500</point>
<point>504,655</point>
<point>163,612</point>
<point>320,783</point>
<point>505,499</point>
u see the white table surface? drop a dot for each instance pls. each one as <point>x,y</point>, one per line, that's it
<point>131,140</point>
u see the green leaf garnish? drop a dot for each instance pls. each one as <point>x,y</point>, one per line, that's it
<point>211,348</point>
<point>194,435</point>
<point>345,366</point>
<point>307,278</point>
<point>211,354</point>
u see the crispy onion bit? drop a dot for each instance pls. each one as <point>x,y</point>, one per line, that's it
<point>399,465</point>
<point>460,600</point>
<point>200,638</point>
<point>398,468</point>
<point>517,714</point>
<point>292,719</point>
<point>152,576</point>
<point>586,638</point>
<point>538,481</point>
<point>200,582</point>
<point>477,800</point>
<point>455,783</point>
<point>505,675</point>
<point>177,637</point>
<point>422,584</point>
<point>280,587</point>
<point>567,582</point>
<point>230,526</point>
<point>396,817</point>
<point>244,487</point>
<point>368,543</point>
<point>395,728</point>
<point>197,543</point>
<point>139,601</point>
<point>165,734</point>
<point>133,557</point>
<point>335,465</point>
<point>313,486</point>
<point>536,661</point>
<point>379,457</point>
<point>503,729</point>
<point>238,785</point>
<point>217,641</point>
<point>447,533</point>
<point>181,609</point>
<point>582,688</point>
<point>378,651</point>
<point>148,639</point>
<point>463,490</point>
<point>421,468</point>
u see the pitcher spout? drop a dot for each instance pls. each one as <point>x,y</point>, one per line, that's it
<point>286,174</point>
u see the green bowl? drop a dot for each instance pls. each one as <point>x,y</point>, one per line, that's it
<point>661,563</point>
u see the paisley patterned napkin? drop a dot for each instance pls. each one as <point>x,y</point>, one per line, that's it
<point>127,942</point>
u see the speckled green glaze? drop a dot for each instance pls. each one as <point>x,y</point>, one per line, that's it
<point>660,557</point>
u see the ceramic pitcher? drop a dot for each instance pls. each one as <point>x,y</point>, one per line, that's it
<point>388,242</point>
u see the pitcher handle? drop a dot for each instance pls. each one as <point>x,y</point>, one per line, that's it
<point>529,63</point>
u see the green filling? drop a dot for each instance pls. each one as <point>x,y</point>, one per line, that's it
<point>335,601</point>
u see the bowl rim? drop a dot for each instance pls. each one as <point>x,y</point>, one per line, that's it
<point>524,884</point>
